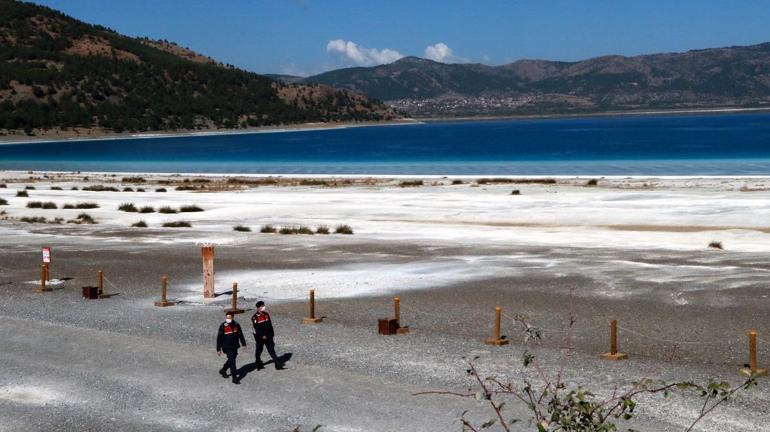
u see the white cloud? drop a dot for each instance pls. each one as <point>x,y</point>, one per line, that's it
<point>360,55</point>
<point>441,52</point>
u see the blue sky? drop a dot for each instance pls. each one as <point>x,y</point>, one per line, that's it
<point>311,36</point>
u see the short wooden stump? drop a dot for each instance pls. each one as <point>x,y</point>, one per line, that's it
<point>387,326</point>
<point>90,292</point>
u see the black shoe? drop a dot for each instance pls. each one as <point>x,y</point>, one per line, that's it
<point>236,381</point>
<point>260,365</point>
<point>223,373</point>
<point>280,366</point>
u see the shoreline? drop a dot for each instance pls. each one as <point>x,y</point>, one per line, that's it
<point>644,113</point>
<point>98,135</point>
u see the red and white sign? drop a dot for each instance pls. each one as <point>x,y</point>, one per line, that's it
<point>46,255</point>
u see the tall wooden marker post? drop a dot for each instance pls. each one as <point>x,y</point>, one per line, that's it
<point>207,252</point>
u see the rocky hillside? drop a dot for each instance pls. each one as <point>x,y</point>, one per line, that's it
<point>58,73</point>
<point>719,77</point>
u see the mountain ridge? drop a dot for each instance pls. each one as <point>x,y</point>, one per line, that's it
<point>734,76</point>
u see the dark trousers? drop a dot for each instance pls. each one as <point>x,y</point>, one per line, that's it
<point>270,345</point>
<point>230,363</point>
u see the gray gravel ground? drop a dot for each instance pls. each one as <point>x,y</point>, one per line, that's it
<point>122,364</point>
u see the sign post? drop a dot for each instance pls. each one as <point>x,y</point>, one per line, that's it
<point>47,263</point>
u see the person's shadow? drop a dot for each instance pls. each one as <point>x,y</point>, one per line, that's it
<point>251,367</point>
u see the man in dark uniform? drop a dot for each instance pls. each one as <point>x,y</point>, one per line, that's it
<point>263,335</point>
<point>229,339</point>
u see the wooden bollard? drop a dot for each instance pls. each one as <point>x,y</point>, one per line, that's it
<point>311,319</point>
<point>753,370</point>
<point>163,286</point>
<point>614,354</point>
<point>234,309</point>
<point>47,272</point>
<point>43,287</point>
<point>100,281</point>
<point>207,252</point>
<point>397,316</point>
<point>497,339</point>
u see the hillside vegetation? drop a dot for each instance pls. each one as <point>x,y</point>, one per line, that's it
<point>58,73</point>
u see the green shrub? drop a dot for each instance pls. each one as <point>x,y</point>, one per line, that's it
<point>29,188</point>
<point>322,229</point>
<point>457,182</point>
<point>515,192</point>
<point>167,210</point>
<point>241,228</point>
<point>101,188</point>
<point>147,209</point>
<point>161,190</point>
<point>133,180</point>
<point>190,208</point>
<point>83,218</point>
<point>74,188</point>
<point>267,229</point>
<point>343,229</point>
<point>48,205</point>
<point>83,205</point>
<point>55,188</point>
<point>3,185</point>
<point>304,230</point>
<point>140,224</point>
<point>140,190</point>
<point>22,194</point>
<point>34,219</point>
<point>716,245</point>
<point>128,189</point>
<point>592,182</point>
<point>178,224</point>
<point>411,183</point>
<point>3,201</point>
<point>128,207</point>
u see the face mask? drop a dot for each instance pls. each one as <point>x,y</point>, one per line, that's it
<point>228,320</point>
<point>262,309</point>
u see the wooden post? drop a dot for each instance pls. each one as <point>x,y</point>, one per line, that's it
<point>614,354</point>
<point>397,310</point>
<point>43,287</point>
<point>208,271</point>
<point>163,286</point>
<point>47,272</point>
<point>397,316</point>
<point>497,339</point>
<point>311,319</point>
<point>753,370</point>
<point>234,309</point>
<point>100,282</point>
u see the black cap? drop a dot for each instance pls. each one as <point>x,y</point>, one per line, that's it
<point>228,313</point>
<point>260,303</point>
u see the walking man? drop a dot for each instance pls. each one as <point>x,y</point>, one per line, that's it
<point>263,335</point>
<point>229,339</point>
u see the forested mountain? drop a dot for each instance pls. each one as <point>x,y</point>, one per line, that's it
<point>718,77</point>
<point>58,73</point>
